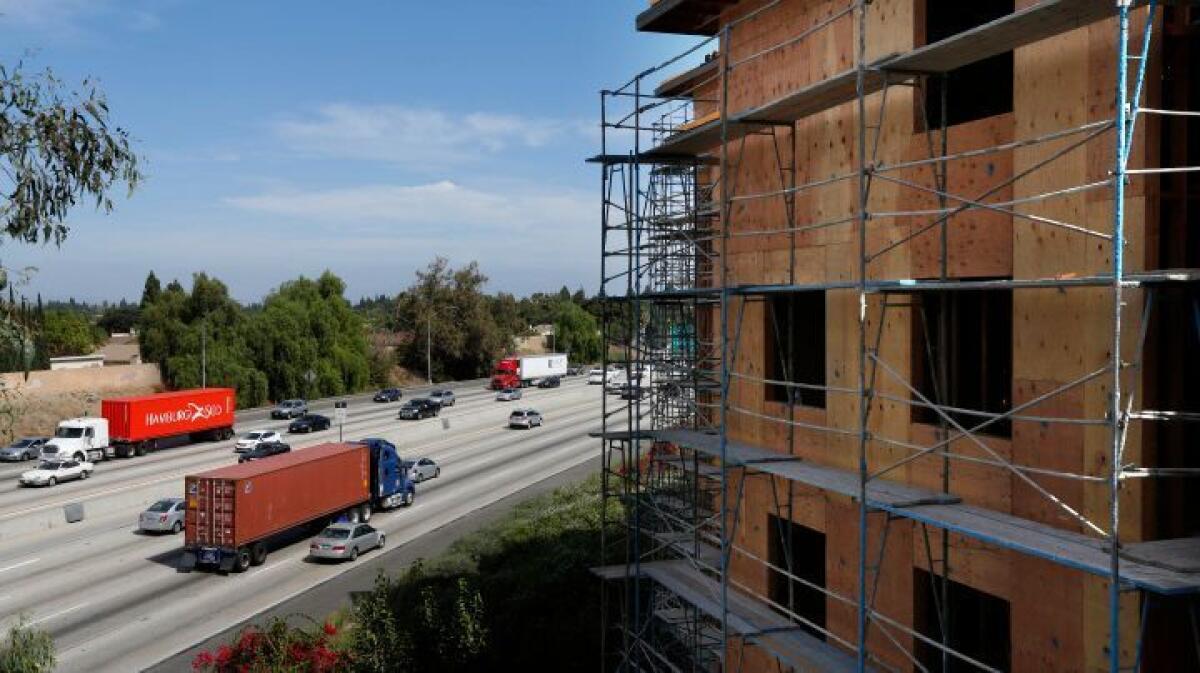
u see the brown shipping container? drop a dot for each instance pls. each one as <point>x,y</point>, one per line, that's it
<point>234,506</point>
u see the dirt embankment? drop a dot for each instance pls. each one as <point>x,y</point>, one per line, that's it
<point>35,405</point>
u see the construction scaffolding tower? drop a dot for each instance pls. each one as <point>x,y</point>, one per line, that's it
<point>670,213</point>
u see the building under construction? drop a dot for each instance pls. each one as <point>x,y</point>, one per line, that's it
<point>905,297</point>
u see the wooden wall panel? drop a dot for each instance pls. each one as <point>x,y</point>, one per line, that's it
<point>978,484</point>
<point>980,240</point>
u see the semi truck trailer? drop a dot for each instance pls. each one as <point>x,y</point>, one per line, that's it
<point>232,514</point>
<point>130,426</point>
<point>527,370</point>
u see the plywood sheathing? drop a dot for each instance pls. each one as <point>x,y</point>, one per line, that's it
<point>1058,336</point>
<point>979,240</point>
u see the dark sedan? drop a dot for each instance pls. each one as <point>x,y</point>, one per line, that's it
<point>550,382</point>
<point>418,408</point>
<point>388,395</point>
<point>265,450</point>
<point>310,423</point>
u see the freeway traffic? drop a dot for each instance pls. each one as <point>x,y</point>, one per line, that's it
<point>115,599</point>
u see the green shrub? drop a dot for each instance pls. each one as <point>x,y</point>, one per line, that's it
<point>26,649</point>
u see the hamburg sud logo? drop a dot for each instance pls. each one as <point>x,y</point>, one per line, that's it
<point>191,413</point>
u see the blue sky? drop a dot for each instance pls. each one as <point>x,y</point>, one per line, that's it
<point>284,138</point>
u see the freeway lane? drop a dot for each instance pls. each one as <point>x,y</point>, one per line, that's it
<point>127,478</point>
<point>113,599</point>
<point>259,419</point>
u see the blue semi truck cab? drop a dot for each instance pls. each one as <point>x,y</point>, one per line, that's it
<point>391,484</point>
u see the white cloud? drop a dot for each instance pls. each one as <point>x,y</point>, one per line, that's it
<point>421,137</point>
<point>69,19</point>
<point>437,203</point>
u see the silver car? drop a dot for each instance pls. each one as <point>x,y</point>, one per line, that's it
<point>525,418</point>
<point>164,515</point>
<point>290,409</point>
<point>26,448</point>
<point>342,541</point>
<point>508,395</point>
<point>443,397</point>
<point>422,469</point>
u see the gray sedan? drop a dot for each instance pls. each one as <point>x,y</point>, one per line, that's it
<point>342,541</point>
<point>508,395</point>
<point>422,469</point>
<point>26,448</point>
<point>164,515</point>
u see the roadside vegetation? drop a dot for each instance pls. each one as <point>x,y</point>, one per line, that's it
<point>516,595</point>
<point>26,649</point>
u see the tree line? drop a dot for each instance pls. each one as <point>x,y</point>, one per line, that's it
<point>306,340</point>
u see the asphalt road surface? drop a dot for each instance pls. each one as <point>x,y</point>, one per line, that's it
<point>114,600</point>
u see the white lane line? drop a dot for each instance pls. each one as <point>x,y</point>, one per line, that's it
<point>60,613</point>
<point>19,565</point>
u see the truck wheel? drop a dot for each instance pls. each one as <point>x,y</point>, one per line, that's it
<point>242,561</point>
<point>258,554</point>
<point>352,515</point>
<point>408,499</point>
<point>139,449</point>
<point>364,514</point>
<point>78,457</point>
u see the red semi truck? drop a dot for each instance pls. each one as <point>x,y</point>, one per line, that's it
<point>527,370</point>
<point>131,426</point>
<point>233,512</point>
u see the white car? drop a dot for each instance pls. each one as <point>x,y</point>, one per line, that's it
<point>49,473</point>
<point>422,469</point>
<point>596,377</point>
<point>508,395</point>
<point>251,440</point>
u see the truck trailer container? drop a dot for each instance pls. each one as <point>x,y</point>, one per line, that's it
<point>131,426</point>
<point>233,512</point>
<point>527,370</point>
<point>138,424</point>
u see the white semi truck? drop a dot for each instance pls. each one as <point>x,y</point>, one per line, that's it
<point>79,439</point>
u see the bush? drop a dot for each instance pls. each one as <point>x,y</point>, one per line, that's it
<point>277,648</point>
<point>516,595</point>
<point>26,650</point>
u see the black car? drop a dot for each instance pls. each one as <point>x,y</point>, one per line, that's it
<point>418,408</point>
<point>310,423</point>
<point>633,391</point>
<point>388,395</point>
<point>265,450</point>
<point>550,382</point>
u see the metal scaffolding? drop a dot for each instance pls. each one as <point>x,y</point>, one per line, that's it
<point>672,209</point>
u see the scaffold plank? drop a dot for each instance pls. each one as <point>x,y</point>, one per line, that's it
<point>816,97</point>
<point>1064,547</point>
<point>1022,27</point>
<point>751,619</point>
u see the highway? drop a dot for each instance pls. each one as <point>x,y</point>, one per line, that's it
<point>113,599</point>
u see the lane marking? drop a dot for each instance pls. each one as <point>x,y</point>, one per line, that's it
<point>60,613</point>
<point>19,565</point>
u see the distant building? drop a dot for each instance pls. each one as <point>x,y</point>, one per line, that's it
<point>77,361</point>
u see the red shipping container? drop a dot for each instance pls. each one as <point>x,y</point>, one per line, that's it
<point>136,419</point>
<point>234,506</point>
